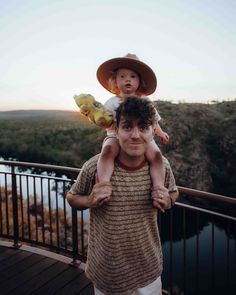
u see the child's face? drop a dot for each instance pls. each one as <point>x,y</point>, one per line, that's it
<point>127,82</point>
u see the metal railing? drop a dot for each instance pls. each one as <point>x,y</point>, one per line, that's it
<point>33,210</point>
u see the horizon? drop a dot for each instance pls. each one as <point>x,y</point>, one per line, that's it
<point>210,102</point>
<point>51,49</point>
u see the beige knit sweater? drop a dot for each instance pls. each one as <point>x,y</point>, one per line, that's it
<point>124,250</point>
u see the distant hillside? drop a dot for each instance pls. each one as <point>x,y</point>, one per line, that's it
<point>36,113</point>
<point>202,148</point>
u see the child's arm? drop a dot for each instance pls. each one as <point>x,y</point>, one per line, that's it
<point>160,133</point>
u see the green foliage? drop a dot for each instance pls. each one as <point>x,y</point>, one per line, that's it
<point>201,149</point>
<point>60,139</point>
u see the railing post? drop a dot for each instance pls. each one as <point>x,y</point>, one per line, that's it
<point>15,208</point>
<point>74,237</point>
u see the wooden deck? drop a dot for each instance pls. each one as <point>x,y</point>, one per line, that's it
<point>23,272</point>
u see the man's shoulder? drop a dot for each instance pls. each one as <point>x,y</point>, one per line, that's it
<point>166,162</point>
<point>92,162</point>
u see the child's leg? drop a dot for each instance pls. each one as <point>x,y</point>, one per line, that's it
<point>157,171</point>
<point>105,165</point>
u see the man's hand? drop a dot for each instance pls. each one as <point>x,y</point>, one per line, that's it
<point>161,198</point>
<point>100,194</point>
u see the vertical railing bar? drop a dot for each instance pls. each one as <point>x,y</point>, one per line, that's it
<point>213,253</point>
<point>82,232</point>
<point>159,221</point>
<point>1,220</point>
<point>42,211</point>
<point>197,253</point>
<point>184,248</point>
<point>15,208</point>
<point>227,250</point>
<point>64,214</point>
<point>49,209</point>
<point>74,235</point>
<point>22,208</point>
<point>234,243</point>
<point>171,252</point>
<point>6,206</point>
<point>28,207</point>
<point>36,210</point>
<point>57,215</point>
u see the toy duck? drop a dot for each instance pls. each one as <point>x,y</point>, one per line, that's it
<point>93,110</point>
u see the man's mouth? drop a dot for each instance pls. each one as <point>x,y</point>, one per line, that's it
<point>135,143</point>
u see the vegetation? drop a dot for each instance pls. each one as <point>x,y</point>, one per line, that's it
<point>58,138</point>
<point>201,150</point>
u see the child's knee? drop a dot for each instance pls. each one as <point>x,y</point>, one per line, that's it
<point>108,151</point>
<point>154,157</point>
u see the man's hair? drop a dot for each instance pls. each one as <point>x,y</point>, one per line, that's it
<point>134,107</point>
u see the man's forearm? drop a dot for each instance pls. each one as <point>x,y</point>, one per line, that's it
<point>100,194</point>
<point>174,196</point>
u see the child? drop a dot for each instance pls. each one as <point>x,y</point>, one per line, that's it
<point>124,77</point>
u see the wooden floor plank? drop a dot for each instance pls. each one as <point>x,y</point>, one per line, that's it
<point>89,290</point>
<point>76,286</point>
<point>41,278</point>
<point>26,273</point>
<point>58,282</point>
<point>17,269</point>
<point>6,253</point>
<point>13,259</point>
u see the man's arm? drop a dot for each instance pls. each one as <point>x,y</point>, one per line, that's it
<point>173,197</point>
<point>163,199</point>
<point>100,194</point>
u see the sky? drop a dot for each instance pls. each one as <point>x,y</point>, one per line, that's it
<point>50,49</point>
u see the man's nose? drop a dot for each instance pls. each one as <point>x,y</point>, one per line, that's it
<point>135,133</point>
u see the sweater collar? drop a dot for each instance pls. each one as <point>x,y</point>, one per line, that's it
<point>128,168</point>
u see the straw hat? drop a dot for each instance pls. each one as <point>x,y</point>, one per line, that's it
<point>132,62</point>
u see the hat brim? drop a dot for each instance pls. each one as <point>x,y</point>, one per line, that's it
<point>106,69</point>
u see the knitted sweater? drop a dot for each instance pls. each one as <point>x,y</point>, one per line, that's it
<point>124,251</point>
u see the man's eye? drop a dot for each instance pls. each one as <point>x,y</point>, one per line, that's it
<point>126,127</point>
<point>143,128</point>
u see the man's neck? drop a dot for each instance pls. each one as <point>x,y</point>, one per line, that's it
<point>130,163</point>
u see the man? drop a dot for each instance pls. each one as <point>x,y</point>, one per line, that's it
<point>124,251</point>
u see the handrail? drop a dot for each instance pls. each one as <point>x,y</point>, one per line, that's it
<point>182,190</point>
<point>74,229</point>
<point>41,166</point>
<point>206,195</point>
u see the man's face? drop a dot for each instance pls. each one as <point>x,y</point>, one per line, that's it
<point>134,136</point>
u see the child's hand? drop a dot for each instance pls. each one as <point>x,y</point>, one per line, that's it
<point>160,198</point>
<point>101,193</point>
<point>164,137</point>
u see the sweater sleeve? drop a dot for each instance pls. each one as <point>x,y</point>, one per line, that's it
<point>170,183</point>
<point>86,178</point>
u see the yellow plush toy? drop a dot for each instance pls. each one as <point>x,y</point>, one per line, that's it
<point>93,110</point>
